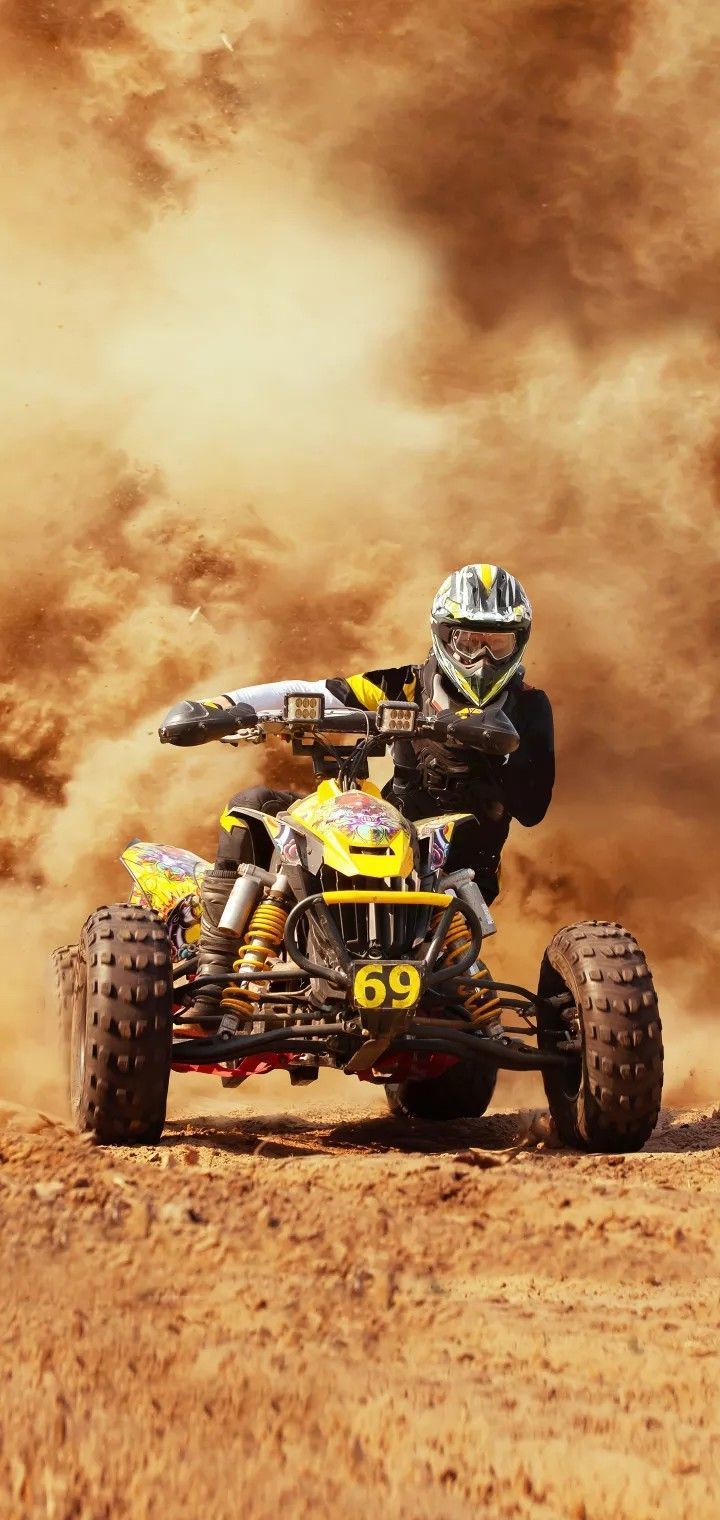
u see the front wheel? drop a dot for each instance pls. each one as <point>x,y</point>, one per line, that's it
<point>121,1041</point>
<point>608,1097</point>
<point>461,1092</point>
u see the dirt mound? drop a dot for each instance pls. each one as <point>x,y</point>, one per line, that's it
<point>322,1310</point>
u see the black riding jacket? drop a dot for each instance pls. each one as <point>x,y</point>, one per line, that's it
<point>431,778</point>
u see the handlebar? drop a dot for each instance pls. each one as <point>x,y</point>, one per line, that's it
<point>190,723</point>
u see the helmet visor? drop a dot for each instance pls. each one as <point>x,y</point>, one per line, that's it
<point>470,646</point>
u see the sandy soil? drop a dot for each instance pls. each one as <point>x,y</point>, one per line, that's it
<point>294,1306</point>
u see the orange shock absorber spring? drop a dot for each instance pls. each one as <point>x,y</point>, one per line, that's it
<point>263,940</point>
<point>477,998</point>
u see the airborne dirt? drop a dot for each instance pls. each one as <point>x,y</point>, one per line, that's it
<point>297,1307</point>
<point>303,301</point>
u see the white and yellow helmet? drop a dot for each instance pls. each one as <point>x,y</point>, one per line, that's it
<point>481,621</point>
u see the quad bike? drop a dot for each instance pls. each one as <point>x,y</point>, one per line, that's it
<point>358,949</point>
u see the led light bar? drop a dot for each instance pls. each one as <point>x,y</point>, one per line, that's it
<point>397,717</point>
<point>304,707</point>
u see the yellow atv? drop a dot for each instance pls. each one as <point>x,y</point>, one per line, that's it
<point>358,948</point>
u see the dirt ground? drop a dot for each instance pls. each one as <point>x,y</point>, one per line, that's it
<point>295,1306</point>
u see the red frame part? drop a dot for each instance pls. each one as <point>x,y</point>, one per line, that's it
<point>403,1067</point>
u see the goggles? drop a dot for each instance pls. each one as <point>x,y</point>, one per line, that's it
<point>469,646</point>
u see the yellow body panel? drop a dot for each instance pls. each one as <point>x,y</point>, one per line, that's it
<point>401,899</point>
<point>353,827</point>
<point>168,880</point>
<point>327,791</point>
<point>163,876</point>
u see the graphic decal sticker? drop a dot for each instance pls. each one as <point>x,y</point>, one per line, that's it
<point>168,880</point>
<point>364,819</point>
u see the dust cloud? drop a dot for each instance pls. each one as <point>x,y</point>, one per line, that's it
<point>305,303</point>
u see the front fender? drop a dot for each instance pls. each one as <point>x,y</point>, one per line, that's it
<point>168,880</point>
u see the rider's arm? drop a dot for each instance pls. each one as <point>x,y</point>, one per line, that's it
<point>527,779</point>
<point>181,725</point>
<point>270,695</point>
<point>363,691</point>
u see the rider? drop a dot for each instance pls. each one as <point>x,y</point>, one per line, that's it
<point>480,622</point>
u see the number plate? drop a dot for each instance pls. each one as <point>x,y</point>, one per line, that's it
<point>386,985</point>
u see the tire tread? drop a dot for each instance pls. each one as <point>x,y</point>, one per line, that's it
<point>59,997</point>
<point>602,965</point>
<point>129,1011</point>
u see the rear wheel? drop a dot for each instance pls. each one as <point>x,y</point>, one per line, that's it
<point>121,1043</point>
<point>461,1092</point>
<point>59,991</point>
<point>608,1098</point>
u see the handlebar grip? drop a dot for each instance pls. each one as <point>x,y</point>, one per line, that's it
<point>190,723</point>
<point>494,735</point>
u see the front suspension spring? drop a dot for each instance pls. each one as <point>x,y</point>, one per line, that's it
<point>479,1000</point>
<point>262,942</point>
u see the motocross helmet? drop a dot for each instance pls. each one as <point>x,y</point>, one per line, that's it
<point>480,620</point>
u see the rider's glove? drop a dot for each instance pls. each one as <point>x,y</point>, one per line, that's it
<point>196,722</point>
<point>492,735</point>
